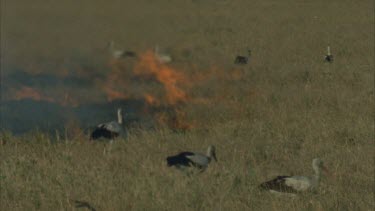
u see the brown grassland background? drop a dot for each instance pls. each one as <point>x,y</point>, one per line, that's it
<point>284,108</point>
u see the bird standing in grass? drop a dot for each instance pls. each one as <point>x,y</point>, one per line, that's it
<point>109,130</point>
<point>329,56</point>
<point>162,57</point>
<point>296,184</point>
<point>117,54</point>
<point>193,159</point>
<point>83,204</point>
<point>243,59</point>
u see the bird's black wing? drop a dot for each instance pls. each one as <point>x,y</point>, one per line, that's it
<point>278,184</point>
<point>129,54</point>
<point>102,132</point>
<point>180,159</point>
<point>241,60</point>
<point>329,58</point>
<point>83,204</point>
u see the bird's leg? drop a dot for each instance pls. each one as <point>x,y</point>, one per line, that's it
<point>110,146</point>
<point>108,149</point>
<point>201,171</point>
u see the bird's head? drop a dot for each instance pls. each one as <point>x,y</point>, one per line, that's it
<point>319,164</point>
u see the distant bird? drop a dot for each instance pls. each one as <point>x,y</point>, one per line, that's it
<point>109,130</point>
<point>117,54</point>
<point>243,59</point>
<point>296,184</point>
<point>83,204</point>
<point>162,57</point>
<point>329,56</point>
<point>193,159</point>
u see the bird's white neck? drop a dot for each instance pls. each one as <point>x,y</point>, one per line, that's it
<point>328,51</point>
<point>119,117</point>
<point>209,152</point>
<point>317,173</point>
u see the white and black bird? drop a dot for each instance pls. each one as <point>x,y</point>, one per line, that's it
<point>296,184</point>
<point>109,130</point>
<point>162,57</point>
<point>329,56</point>
<point>243,59</point>
<point>117,54</point>
<point>193,159</point>
<point>84,204</point>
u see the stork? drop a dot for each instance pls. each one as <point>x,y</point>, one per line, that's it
<point>117,54</point>
<point>329,56</point>
<point>84,204</point>
<point>243,59</point>
<point>296,184</point>
<point>193,159</point>
<point>161,57</point>
<point>109,130</point>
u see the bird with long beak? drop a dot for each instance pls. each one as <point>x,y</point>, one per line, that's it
<point>296,184</point>
<point>193,159</point>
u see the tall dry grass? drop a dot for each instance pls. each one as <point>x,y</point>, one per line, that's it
<point>285,108</point>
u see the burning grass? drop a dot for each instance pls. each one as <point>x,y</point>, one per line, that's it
<point>161,88</point>
<point>268,118</point>
<point>273,130</point>
<point>166,90</point>
<point>164,74</point>
<point>28,92</point>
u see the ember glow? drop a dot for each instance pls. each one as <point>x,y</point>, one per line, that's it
<point>114,94</point>
<point>115,84</point>
<point>30,93</point>
<point>148,66</point>
<point>166,91</point>
<point>26,92</point>
<point>151,99</point>
<point>148,71</point>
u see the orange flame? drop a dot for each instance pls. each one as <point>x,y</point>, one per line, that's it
<point>116,81</point>
<point>150,99</point>
<point>113,94</point>
<point>179,121</point>
<point>174,85</point>
<point>149,66</point>
<point>166,90</point>
<point>30,93</point>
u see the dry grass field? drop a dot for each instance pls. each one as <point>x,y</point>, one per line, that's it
<point>267,118</point>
